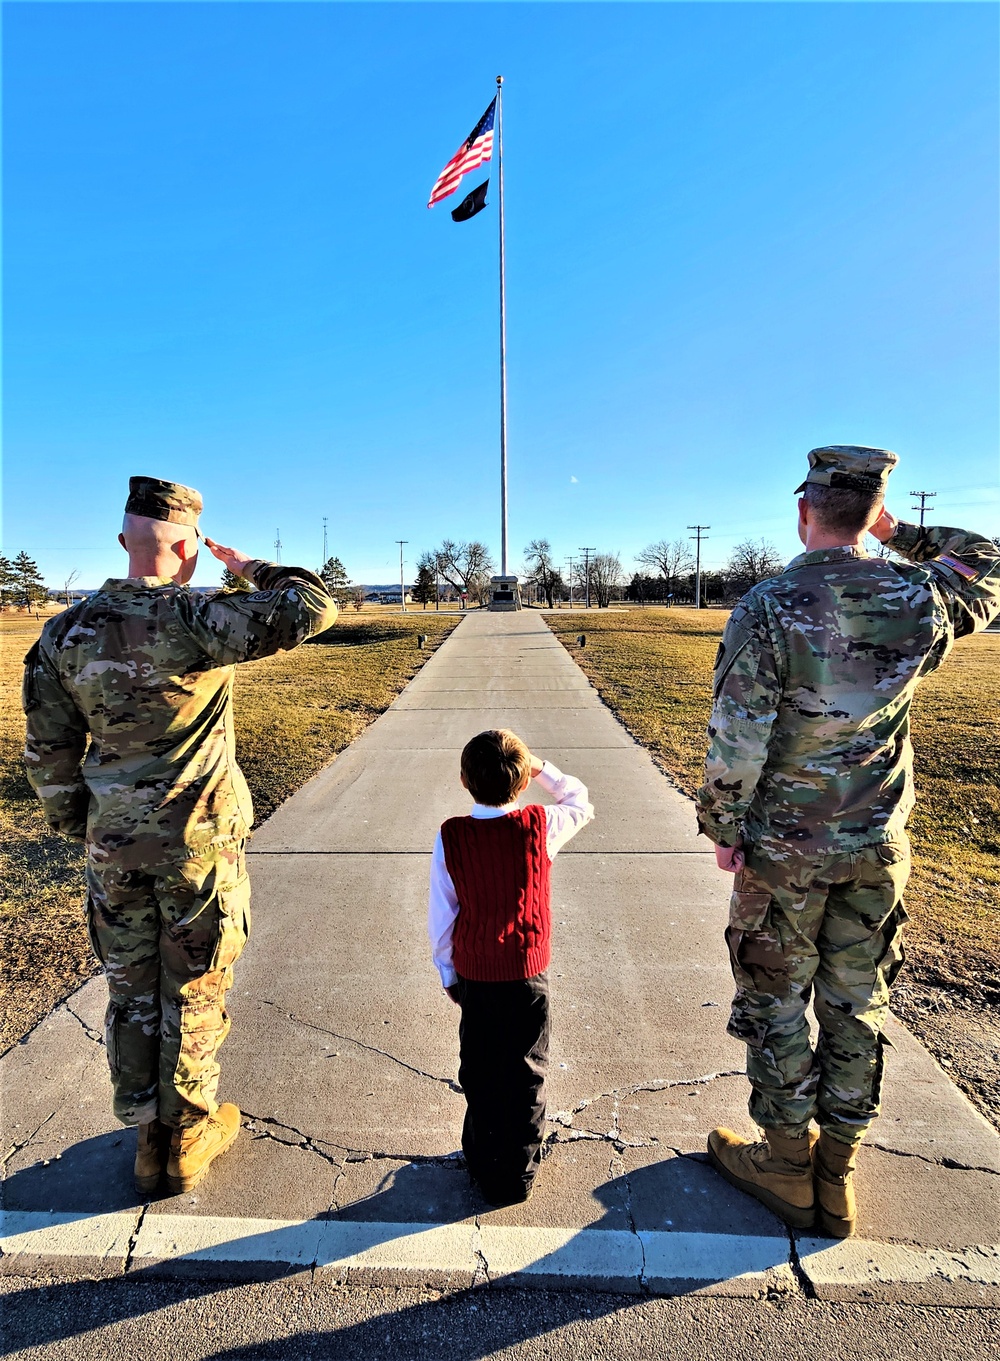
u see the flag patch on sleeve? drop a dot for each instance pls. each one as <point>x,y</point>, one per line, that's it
<point>962,568</point>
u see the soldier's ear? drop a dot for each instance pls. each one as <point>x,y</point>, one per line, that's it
<point>121,540</point>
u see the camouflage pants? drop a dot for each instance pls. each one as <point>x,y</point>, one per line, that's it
<point>168,939</point>
<point>830,928</point>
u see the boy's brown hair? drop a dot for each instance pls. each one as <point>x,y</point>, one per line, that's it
<point>496,766</point>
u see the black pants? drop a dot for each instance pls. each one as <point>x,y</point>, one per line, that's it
<point>504,1057</point>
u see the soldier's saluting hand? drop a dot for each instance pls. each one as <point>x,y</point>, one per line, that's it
<point>808,787</point>
<point>143,671</point>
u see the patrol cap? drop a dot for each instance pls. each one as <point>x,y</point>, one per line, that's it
<point>853,467</point>
<point>159,500</point>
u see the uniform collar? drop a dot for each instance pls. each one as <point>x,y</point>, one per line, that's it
<point>137,583</point>
<point>845,554</point>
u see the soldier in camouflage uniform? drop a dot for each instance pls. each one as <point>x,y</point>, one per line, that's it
<point>130,748</point>
<point>808,786</point>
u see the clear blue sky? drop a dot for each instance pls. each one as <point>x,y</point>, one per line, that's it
<point>735,231</point>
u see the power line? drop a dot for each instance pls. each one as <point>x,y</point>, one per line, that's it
<point>586,568</point>
<point>572,564</point>
<point>402,588</point>
<point>925,496</point>
<point>698,535</point>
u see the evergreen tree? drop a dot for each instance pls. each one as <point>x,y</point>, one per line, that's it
<point>231,582</point>
<point>338,583</point>
<point>6,581</point>
<point>423,590</point>
<point>28,587</point>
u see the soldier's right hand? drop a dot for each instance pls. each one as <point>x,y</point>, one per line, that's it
<point>884,527</point>
<point>232,558</point>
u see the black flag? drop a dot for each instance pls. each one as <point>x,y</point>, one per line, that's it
<point>472,203</point>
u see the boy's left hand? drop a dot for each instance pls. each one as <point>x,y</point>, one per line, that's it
<point>453,993</point>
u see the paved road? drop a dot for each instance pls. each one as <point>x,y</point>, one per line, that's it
<point>297,1320</point>
<point>343,1055</point>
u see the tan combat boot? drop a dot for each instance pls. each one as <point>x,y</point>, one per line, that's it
<point>150,1156</point>
<point>833,1164</point>
<point>778,1172</point>
<point>192,1150</point>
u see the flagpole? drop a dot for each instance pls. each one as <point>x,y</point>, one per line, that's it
<point>503,340</point>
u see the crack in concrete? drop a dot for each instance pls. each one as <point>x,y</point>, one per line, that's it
<point>483,1265</point>
<point>800,1277</point>
<point>302,1141</point>
<point>94,1035</point>
<point>657,1084</point>
<point>951,1164</point>
<point>15,1148</point>
<point>370,1048</point>
<point>334,1202</point>
<point>134,1239</point>
<point>310,1144</point>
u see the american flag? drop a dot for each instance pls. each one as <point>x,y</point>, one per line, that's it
<point>474,151</point>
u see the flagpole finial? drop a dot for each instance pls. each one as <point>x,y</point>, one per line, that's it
<point>499,80</point>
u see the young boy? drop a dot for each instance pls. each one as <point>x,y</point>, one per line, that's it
<point>489,922</point>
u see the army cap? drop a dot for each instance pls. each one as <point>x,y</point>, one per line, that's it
<point>853,467</point>
<point>159,500</point>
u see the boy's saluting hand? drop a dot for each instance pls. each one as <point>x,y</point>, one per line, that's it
<point>536,765</point>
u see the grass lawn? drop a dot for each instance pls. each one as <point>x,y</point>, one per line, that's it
<point>294,713</point>
<point>653,667</point>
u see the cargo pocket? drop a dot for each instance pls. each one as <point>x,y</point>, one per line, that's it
<point>894,956</point>
<point>755,946</point>
<point>112,1038</point>
<point>91,925</point>
<point>878,1076</point>
<point>234,924</point>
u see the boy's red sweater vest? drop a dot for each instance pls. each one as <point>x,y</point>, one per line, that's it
<point>501,871</point>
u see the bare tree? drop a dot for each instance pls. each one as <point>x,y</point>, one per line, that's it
<point>670,559</point>
<point>605,577</point>
<point>466,566</point>
<point>751,562</point>
<point>66,588</point>
<point>541,572</point>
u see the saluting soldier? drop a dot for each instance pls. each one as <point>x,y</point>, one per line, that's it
<point>130,748</point>
<point>808,787</point>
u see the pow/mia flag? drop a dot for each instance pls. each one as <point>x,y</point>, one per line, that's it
<point>472,203</point>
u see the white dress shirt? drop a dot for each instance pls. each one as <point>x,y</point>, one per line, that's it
<point>563,819</point>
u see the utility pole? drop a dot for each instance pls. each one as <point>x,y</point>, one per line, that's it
<point>925,496</point>
<point>277,545</point>
<point>586,569</point>
<point>402,588</point>
<point>697,536</point>
<point>437,592</point>
<point>326,551</point>
<point>572,564</point>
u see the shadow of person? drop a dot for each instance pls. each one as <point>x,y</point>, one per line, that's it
<point>91,1177</point>
<point>679,1196</point>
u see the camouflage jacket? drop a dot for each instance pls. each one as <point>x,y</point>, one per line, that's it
<point>145,669</point>
<point>809,734</point>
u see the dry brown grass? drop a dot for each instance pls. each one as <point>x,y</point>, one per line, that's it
<point>294,713</point>
<point>653,667</point>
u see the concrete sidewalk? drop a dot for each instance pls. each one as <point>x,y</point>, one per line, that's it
<point>344,1049</point>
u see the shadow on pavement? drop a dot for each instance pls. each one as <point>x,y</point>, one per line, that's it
<point>679,1193</point>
